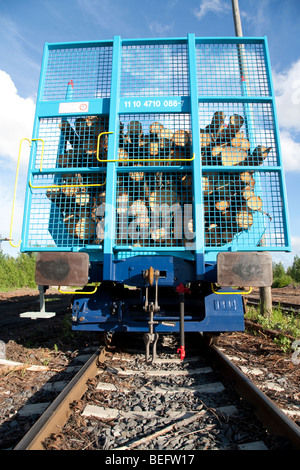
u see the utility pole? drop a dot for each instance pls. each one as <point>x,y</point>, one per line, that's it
<point>237,18</point>
<point>264,292</point>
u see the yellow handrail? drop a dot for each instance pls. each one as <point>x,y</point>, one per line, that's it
<point>16,182</point>
<point>42,154</point>
<point>75,292</point>
<point>60,185</point>
<point>230,293</point>
<point>139,159</point>
<point>98,145</point>
<point>15,193</point>
<point>90,185</point>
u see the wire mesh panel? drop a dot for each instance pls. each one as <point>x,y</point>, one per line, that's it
<point>88,69</point>
<point>155,70</point>
<point>155,139</point>
<point>155,209</point>
<point>71,142</point>
<point>243,209</point>
<point>65,210</point>
<point>152,206</point>
<point>238,134</point>
<point>220,67</point>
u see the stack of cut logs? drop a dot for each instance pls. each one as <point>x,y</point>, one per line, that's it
<point>76,201</point>
<point>228,197</point>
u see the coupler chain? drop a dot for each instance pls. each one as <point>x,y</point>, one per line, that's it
<point>151,337</point>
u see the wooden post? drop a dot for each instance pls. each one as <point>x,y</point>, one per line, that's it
<point>265,301</point>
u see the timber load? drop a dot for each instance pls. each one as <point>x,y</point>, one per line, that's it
<point>230,199</point>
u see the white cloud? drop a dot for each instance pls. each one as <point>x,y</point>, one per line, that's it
<point>16,120</point>
<point>160,29</point>
<point>287,91</point>
<point>214,6</point>
<point>6,198</point>
<point>290,150</point>
<point>296,245</point>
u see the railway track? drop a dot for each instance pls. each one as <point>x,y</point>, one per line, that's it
<point>119,402</point>
<point>284,306</point>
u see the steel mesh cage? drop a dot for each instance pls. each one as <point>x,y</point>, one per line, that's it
<point>150,146</point>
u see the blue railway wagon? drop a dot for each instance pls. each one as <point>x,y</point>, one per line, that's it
<point>155,181</point>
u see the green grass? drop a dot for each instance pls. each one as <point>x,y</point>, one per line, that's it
<point>285,324</point>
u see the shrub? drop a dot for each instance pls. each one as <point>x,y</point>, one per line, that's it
<point>280,277</point>
<point>17,272</point>
<point>282,281</point>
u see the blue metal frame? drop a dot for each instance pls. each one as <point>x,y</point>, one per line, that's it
<point>116,105</point>
<point>197,167</point>
<point>280,160</point>
<point>123,263</point>
<point>220,313</point>
<point>111,166</point>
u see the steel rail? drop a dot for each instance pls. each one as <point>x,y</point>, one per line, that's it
<point>59,411</point>
<point>285,306</point>
<point>57,414</point>
<point>273,418</point>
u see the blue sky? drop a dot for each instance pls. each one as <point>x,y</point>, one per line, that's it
<point>26,25</point>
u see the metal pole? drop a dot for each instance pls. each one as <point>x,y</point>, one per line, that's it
<point>181,349</point>
<point>237,18</point>
<point>265,292</point>
<point>239,33</point>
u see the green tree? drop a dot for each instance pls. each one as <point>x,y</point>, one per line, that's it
<point>280,277</point>
<point>17,272</point>
<point>294,270</point>
<point>278,270</point>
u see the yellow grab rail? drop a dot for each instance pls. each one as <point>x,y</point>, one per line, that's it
<point>230,293</point>
<point>138,159</point>
<point>98,146</point>
<point>15,189</point>
<point>89,185</point>
<point>82,292</point>
<point>60,185</point>
<point>42,154</point>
